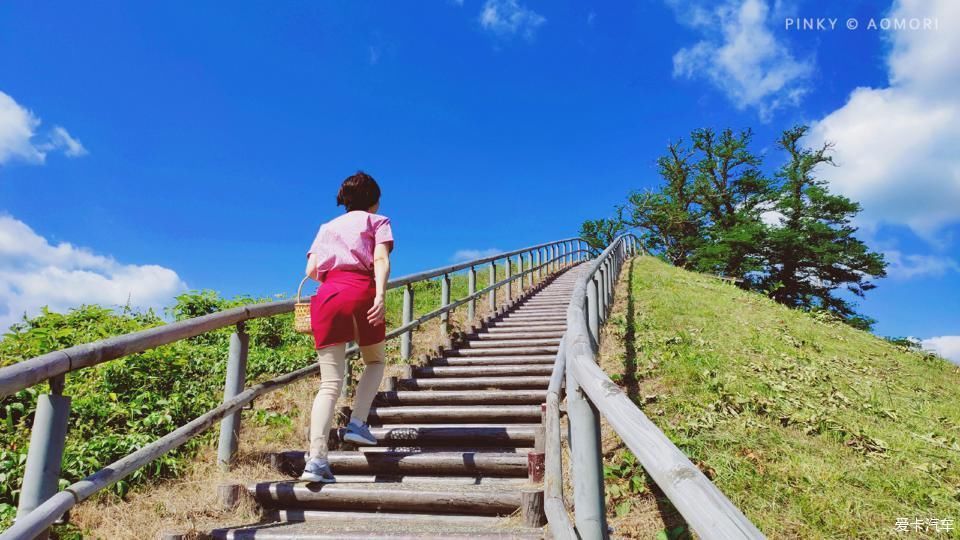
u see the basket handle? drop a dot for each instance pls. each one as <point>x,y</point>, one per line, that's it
<point>300,288</point>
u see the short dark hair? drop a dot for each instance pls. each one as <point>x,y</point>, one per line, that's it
<point>358,192</point>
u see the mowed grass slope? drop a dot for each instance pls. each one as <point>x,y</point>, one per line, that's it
<point>812,428</point>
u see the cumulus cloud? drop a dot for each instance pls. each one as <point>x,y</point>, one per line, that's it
<point>896,146</point>
<point>35,273</point>
<point>946,346</point>
<point>463,255</point>
<point>901,266</point>
<point>740,56</point>
<point>506,18</point>
<point>19,138</point>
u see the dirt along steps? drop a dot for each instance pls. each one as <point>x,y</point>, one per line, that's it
<point>459,451</point>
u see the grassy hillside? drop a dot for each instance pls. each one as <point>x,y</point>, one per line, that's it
<point>812,428</point>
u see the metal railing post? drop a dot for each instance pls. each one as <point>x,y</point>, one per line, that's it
<point>405,339</point>
<point>444,302</point>
<point>236,380</point>
<point>472,288</point>
<point>48,436</point>
<point>493,291</point>
<point>509,283</point>
<point>588,495</point>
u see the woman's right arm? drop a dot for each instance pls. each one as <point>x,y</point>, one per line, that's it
<point>311,269</point>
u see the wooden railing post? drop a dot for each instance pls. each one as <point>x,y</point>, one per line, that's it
<point>471,288</point>
<point>444,302</point>
<point>236,380</point>
<point>530,274</point>
<point>593,309</point>
<point>493,290</point>
<point>584,424</point>
<point>509,283</point>
<point>405,338</point>
<point>536,264</point>
<point>519,275</point>
<point>48,435</point>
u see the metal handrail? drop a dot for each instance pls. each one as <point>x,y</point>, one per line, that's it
<point>590,392</point>
<point>54,365</point>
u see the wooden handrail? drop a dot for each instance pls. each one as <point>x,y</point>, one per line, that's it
<point>44,515</point>
<point>46,366</point>
<point>705,508</point>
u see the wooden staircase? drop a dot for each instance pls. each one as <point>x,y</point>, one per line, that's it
<point>459,444</point>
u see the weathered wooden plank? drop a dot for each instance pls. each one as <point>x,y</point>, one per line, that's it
<point>454,413</point>
<point>386,497</point>
<point>464,383</point>
<point>488,397</point>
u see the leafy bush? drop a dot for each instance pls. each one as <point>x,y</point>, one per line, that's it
<point>125,404</point>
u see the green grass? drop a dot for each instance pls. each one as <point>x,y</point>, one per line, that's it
<point>812,428</point>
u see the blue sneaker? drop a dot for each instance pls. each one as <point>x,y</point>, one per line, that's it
<point>315,471</point>
<point>359,433</point>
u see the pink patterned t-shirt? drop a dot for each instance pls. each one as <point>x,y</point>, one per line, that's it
<point>347,242</point>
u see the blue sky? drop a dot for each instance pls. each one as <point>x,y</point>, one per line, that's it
<point>149,148</point>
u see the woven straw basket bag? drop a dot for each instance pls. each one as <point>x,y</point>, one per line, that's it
<point>301,312</point>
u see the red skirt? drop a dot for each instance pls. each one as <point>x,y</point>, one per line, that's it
<point>342,300</point>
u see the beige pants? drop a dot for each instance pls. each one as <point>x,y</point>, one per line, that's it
<point>333,364</point>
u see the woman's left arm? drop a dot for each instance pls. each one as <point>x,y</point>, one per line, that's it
<point>381,273</point>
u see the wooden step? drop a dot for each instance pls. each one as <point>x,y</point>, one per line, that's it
<point>454,413</point>
<point>474,383</point>
<point>560,317</point>
<point>494,360</point>
<point>357,525</point>
<point>502,351</point>
<point>481,500</point>
<point>452,397</point>
<point>505,483</point>
<point>500,341</point>
<point>528,325</point>
<point>521,333</point>
<point>461,433</point>
<point>433,463</point>
<point>483,371</point>
<point>498,329</point>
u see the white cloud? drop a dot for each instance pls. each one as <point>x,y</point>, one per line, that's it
<point>902,266</point>
<point>463,255</point>
<point>740,56</point>
<point>60,138</point>
<point>896,146</point>
<point>506,18</point>
<point>946,346</point>
<point>36,273</point>
<point>19,138</point>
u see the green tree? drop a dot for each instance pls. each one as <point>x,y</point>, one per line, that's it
<point>669,219</point>
<point>600,233</point>
<point>813,252</point>
<point>731,190</point>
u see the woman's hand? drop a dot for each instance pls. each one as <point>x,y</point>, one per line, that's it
<point>376,312</point>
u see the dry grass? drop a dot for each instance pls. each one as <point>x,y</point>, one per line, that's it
<point>189,504</point>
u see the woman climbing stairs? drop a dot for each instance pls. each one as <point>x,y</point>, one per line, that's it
<point>459,449</point>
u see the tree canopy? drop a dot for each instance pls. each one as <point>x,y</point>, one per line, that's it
<point>716,211</point>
